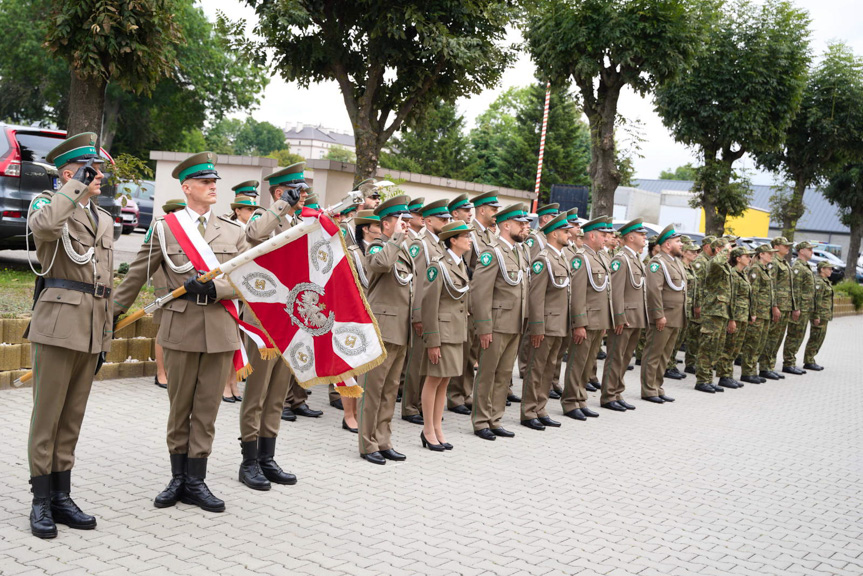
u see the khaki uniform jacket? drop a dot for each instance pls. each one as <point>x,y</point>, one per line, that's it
<point>663,299</point>
<point>481,241</point>
<point>536,241</point>
<point>68,318</point>
<point>628,289</point>
<point>424,250</point>
<point>589,307</point>
<point>548,301</point>
<point>444,313</point>
<point>348,228</point>
<point>497,305</point>
<point>186,325</point>
<point>391,287</point>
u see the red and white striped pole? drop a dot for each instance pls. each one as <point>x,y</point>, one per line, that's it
<point>541,147</point>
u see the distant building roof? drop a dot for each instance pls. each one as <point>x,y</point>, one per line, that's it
<point>320,134</point>
<point>820,215</point>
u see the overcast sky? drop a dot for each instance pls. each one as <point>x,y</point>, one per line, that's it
<point>284,102</point>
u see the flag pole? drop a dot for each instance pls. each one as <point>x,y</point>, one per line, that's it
<point>541,147</point>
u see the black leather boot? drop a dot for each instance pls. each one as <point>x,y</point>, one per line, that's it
<point>196,491</point>
<point>250,471</point>
<point>174,490</point>
<point>266,450</point>
<point>41,521</point>
<point>63,508</point>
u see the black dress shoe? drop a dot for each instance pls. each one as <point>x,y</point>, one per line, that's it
<point>546,421</point>
<point>793,370</point>
<point>63,508</point>
<point>769,375</point>
<point>503,432</point>
<point>391,454</point>
<point>414,419</point>
<point>485,434</point>
<point>533,424</point>
<point>348,428</point>
<point>638,361</point>
<point>674,374</point>
<point>613,405</point>
<point>816,367</point>
<point>601,355</point>
<point>738,382</point>
<point>588,412</point>
<point>780,376</point>
<point>41,521</point>
<point>238,398</point>
<point>228,399</point>
<point>689,369</point>
<point>751,379</point>
<point>461,409</point>
<point>399,397</point>
<point>513,398</point>
<point>703,387</point>
<point>196,491</point>
<point>174,490</point>
<point>305,411</point>
<point>337,404</point>
<point>626,404</point>
<point>429,445</point>
<point>508,403</point>
<point>666,398</point>
<point>250,471</point>
<point>576,414</point>
<point>554,395</point>
<point>446,445</point>
<point>374,458</point>
<point>654,399</point>
<point>590,387</point>
<point>273,472</point>
<point>159,384</point>
<point>727,383</point>
<point>288,415</point>
<point>630,367</point>
<point>716,388</point>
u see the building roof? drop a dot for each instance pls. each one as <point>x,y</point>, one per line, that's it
<point>320,134</point>
<point>820,215</point>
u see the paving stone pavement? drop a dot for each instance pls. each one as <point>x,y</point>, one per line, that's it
<point>764,480</point>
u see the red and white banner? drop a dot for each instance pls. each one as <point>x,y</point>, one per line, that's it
<point>307,299</point>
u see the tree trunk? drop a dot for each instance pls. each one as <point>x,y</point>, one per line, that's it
<point>714,217</point>
<point>109,122</point>
<point>854,247</point>
<point>604,175</point>
<point>368,153</point>
<point>86,105</point>
<point>794,209</point>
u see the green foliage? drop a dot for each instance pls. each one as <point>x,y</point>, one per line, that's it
<point>685,172</point>
<point>341,154</point>
<point>258,138</point>
<point>128,168</point>
<point>192,141</point>
<point>435,144</point>
<point>123,268</point>
<point>845,191</point>
<point>391,62</point>
<point>285,157</point>
<point>853,290</point>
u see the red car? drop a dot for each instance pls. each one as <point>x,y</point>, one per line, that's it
<point>130,214</point>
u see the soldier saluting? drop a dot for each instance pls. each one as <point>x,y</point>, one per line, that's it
<point>71,326</point>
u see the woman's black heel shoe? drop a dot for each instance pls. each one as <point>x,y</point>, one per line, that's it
<point>348,428</point>
<point>159,384</point>
<point>446,445</point>
<point>429,445</point>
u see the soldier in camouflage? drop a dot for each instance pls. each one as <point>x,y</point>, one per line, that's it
<point>821,315</point>
<point>741,304</point>
<point>804,293</point>
<point>763,309</point>
<point>717,318</point>
<point>699,268</point>
<point>783,291</point>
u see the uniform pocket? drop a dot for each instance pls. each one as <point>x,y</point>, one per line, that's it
<point>50,317</point>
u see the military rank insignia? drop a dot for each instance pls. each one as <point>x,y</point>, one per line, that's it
<point>375,249</point>
<point>654,267</point>
<point>576,263</point>
<point>615,265</point>
<point>431,273</point>
<point>537,267</point>
<point>39,203</point>
<point>486,258</point>
<point>529,242</point>
<point>149,235</point>
<point>414,250</point>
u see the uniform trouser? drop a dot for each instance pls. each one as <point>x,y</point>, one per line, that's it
<point>196,381</point>
<point>753,346</point>
<point>579,365</point>
<point>620,349</point>
<point>523,356</point>
<point>691,339</point>
<point>774,341</point>
<point>659,344</point>
<point>536,383</point>
<point>813,345</point>
<point>380,388</point>
<point>296,394</point>
<point>639,348</point>
<point>460,388</point>
<point>264,398</point>
<point>796,334</point>
<point>62,379</point>
<point>733,345</point>
<point>555,377</point>
<point>681,337</point>
<point>413,386</point>
<point>713,330</point>
<point>492,381</point>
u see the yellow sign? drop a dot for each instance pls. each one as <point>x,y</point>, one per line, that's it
<point>755,222</point>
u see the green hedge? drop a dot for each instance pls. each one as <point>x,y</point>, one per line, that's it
<point>854,290</point>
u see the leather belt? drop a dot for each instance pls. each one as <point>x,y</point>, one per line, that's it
<point>200,300</point>
<point>97,290</point>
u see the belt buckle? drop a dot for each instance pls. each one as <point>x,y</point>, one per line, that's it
<point>99,290</point>
<point>198,299</point>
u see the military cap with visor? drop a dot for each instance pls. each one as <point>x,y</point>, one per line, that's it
<point>548,209</point>
<point>668,233</point>
<point>293,175</point>
<point>559,222</point>
<point>636,225</point>
<point>517,212</point>
<point>803,245</point>
<point>765,248</point>
<point>395,206</point>
<point>781,240</point>
<point>741,251</point>
<point>599,224</point>
<point>825,264</point>
<point>201,166</point>
<point>439,208</point>
<point>415,206</point>
<point>366,217</point>
<point>241,201</point>
<point>486,199</point>
<point>707,240</point>
<point>247,188</point>
<point>460,202</point>
<point>78,148</point>
<point>173,205</point>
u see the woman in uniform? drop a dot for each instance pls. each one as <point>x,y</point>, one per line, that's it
<point>741,299</point>
<point>444,320</point>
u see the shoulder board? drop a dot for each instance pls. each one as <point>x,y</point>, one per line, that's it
<point>229,221</point>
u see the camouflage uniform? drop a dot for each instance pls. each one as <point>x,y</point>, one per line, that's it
<point>698,268</point>
<point>804,294</point>
<point>763,301</point>
<point>741,301</point>
<point>783,291</point>
<point>716,311</point>
<point>823,311</point>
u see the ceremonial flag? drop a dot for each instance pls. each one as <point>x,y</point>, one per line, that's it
<point>308,301</point>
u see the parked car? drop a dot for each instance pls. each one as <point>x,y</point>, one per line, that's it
<point>129,212</point>
<point>25,173</point>
<point>144,194</point>
<point>838,265</point>
<point>753,242</point>
<point>696,237</point>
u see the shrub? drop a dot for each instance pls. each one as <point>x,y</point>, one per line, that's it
<point>854,291</point>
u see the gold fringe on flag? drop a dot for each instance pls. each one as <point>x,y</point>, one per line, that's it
<point>268,353</point>
<point>244,372</point>
<point>350,391</point>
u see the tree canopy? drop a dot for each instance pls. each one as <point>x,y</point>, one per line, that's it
<point>685,172</point>
<point>245,137</point>
<point>845,190</point>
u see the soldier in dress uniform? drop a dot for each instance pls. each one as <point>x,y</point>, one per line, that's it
<point>70,327</point>
<point>591,314</point>
<point>371,198</point>
<point>717,316</point>
<point>198,333</point>
<point>629,305</point>
<point>536,239</point>
<point>786,301</point>
<point>763,309</point>
<point>666,308</point>
<point>267,385</point>
<point>573,247</point>
<point>548,322</point>
<point>390,295</point>
<point>741,310</point>
<point>415,224</point>
<point>499,311</point>
<point>821,315</point>
<point>460,386</point>
<point>672,371</point>
<point>423,250</point>
<point>804,293</point>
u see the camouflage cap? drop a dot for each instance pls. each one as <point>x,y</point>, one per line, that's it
<point>825,264</point>
<point>691,247</point>
<point>764,248</point>
<point>707,240</point>
<point>781,240</point>
<point>741,251</point>
<point>802,245</point>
